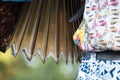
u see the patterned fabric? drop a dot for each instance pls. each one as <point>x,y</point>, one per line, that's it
<point>102,26</point>
<point>92,69</point>
<point>80,37</point>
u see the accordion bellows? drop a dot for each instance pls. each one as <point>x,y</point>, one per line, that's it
<point>43,29</point>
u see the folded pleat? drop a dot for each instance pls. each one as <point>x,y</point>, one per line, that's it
<point>42,36</point>
<point>20,30</point>
<point>28,41</point>
<point>44,30</point>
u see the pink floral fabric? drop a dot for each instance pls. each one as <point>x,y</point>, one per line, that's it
<point>103,25</point>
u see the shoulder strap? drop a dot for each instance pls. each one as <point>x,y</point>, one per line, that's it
<point>78,14</point>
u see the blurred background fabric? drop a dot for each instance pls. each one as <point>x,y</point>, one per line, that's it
<point>20,68</point>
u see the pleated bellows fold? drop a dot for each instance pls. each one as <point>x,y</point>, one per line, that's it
<point>43,29</point>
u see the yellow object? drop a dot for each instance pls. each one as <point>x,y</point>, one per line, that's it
<point>6,57</point>
<point>80,33</point>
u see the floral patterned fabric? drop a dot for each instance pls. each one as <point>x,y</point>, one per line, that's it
<point>80,37</point>
<point>92,69</point>
<point>102,22</point>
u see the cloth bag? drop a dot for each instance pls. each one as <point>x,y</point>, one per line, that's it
<point>100,29</point>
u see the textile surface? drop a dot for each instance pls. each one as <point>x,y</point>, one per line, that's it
<point>92,69</point>
<point>102,28</point>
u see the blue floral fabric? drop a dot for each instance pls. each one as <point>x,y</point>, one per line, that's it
<point>92,69</point>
